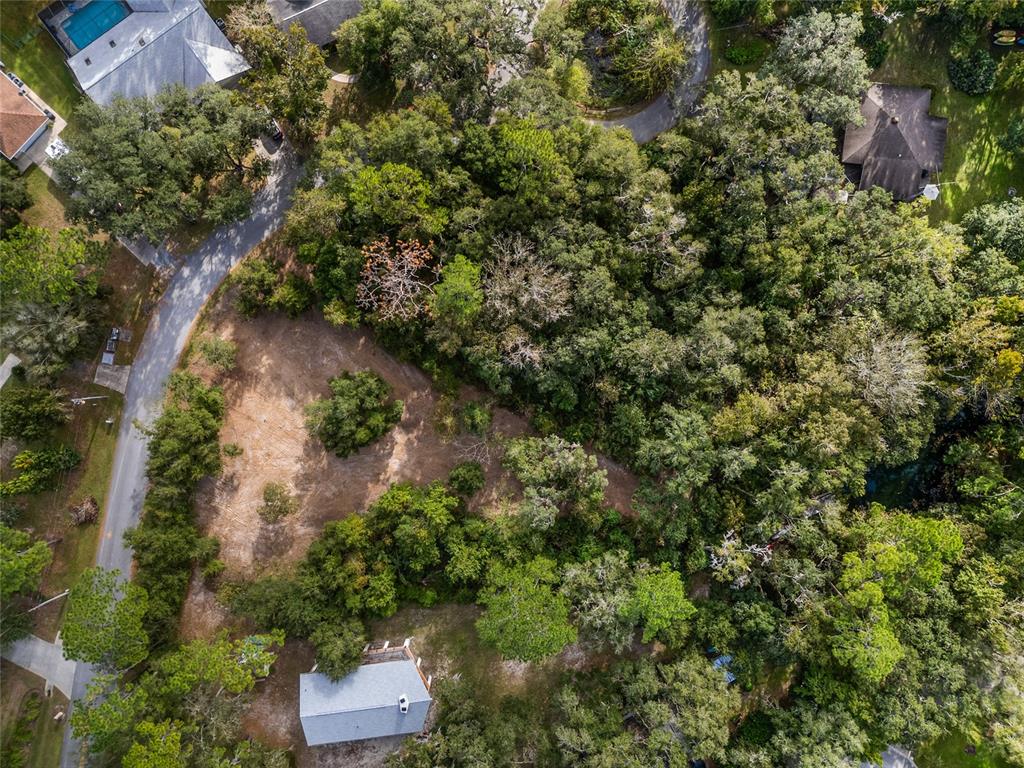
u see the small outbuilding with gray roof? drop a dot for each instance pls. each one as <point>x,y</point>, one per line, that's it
<point>899,145</point>
<point>320,18</point>
<point>380,698</point>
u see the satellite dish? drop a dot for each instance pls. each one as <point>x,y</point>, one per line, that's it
<point>931,191</point>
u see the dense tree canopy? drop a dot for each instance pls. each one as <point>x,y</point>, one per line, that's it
<point>184,710</point>
<point>288,76</point>
<point>760,342</point>
<point>147,166</point>
<point>103,625</point>
<point>819,390</point>
<point>449,47</point>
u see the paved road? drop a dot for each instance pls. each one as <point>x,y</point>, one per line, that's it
<point>44,659</point>
<point>8,367</point>
<point>169,328</point>
<point>691,20</point>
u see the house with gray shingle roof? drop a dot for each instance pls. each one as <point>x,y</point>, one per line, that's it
<point>386,696</point>
<point>899,146</point>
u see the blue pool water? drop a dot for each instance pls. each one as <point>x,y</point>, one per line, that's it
<point>91,21</point>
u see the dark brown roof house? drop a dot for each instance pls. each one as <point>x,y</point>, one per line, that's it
<point>899,145</point>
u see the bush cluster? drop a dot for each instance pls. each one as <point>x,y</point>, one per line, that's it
<point>220,353</point>
<point>38,470</point>
<point>466,478</point>
<point>973,73</point>
<point>750,51</point>
<point>263,284</point>
<point>278,502</point>
<point>359,411</point>
<point>31,413</point>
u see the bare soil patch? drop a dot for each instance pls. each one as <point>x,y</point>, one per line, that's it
<point>283,364</point>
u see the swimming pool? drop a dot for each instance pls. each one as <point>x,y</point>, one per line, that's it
<point>89,22</point>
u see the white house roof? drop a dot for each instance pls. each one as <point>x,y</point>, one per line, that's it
<point>893,757</point>
<point>152,49</point>
<point>363,705</point>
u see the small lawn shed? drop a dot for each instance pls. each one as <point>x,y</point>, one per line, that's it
<point>380,698</point>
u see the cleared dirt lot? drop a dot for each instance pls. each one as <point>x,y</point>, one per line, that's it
<point>282,365</point>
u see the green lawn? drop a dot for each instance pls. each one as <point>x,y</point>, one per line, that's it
<point>720,38</point>
<point>46,513</point>
<point>949,753</point>
<point>976,170</point>
<point>39,61</point>
<point>40,737</point>
<point>48,201</point>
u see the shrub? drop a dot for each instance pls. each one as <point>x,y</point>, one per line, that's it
<point>256,279</point>
<point>750,51</point>
<point>206,549</point>
<point>293,296</point>
<point>277,502</point>
<point>39,469</point>
<point>232,449</point>
<point>213,569</point>
<point>220,353</point>
<point>475,418</point>
<point>466,479</point>
<point>1013,140</point>
<point>760,12</point>
<point>358,412</point>
<point>446,418</point>
<point>973,73</point>
<point>31,413</point>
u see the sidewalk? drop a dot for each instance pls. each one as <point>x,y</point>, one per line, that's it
<point>8,367</point>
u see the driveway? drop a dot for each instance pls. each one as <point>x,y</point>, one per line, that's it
<point>44,659</point>
<point>690,18</point>
<point>169,328</point>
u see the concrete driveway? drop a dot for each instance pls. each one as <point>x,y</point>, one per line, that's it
<point>44,659</point>
<point>168,331</point>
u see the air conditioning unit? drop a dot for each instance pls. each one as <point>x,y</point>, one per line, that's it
<point>403,703</point>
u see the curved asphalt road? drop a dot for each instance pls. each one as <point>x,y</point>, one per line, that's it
<point>691,20</point>
<point>169,328</point>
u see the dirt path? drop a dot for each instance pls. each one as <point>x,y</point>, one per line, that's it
<point>282,365</point>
